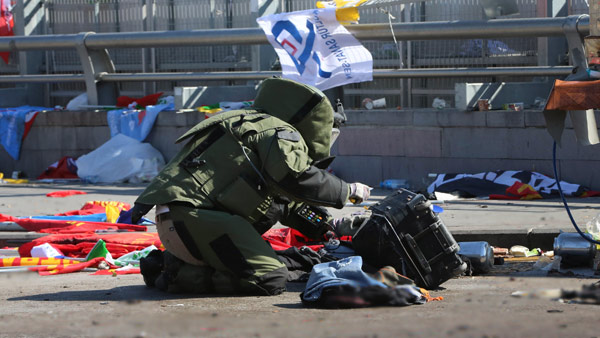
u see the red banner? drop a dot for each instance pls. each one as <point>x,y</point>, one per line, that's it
<point>6,24</point>
<point>79,245</point>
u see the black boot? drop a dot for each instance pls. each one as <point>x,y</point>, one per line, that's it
<point>151,267</point>
<point>170,269</point>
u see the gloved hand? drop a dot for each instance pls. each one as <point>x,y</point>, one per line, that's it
<point>359,193</point>
<point>348,225</point>
<point>133,215</point>
<point>125,216</point>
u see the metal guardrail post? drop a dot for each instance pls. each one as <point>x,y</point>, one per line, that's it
<point>584,121</point>
<point>94,62</point>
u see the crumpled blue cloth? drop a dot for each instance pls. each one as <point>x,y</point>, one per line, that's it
<point>100,217</point>
<point>347,271</point>
<point>136,124</point>
<point>12,127</point>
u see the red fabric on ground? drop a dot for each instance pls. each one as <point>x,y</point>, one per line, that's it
<point>64,168</point>
<point>31,261</point>
<point>55,270</point>
<point>590,193</point>
<point>518,191</point>
<point>8,218</point>
<point>64,193</point>
<point>117,272</point>
<point>281,239</point>
<point>95,207</point>
<point>148,100</point>
<point>58,226</point>
<point>78,245</point>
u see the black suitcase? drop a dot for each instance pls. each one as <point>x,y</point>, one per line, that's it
<point>404,232</point>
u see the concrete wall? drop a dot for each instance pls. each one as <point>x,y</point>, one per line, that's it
<point>373,146</point>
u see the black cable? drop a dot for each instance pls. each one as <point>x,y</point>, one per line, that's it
<point>565,201</point>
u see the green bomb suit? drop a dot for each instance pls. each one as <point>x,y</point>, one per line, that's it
<point>238,174</point>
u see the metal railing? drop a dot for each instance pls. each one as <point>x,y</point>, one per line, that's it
<point>100,77</point>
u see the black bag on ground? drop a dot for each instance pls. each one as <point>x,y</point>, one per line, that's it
<point>404,232</point>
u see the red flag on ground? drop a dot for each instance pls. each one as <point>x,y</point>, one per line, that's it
<point>284,238</point>
<point>64,193</point>
<point>79,245</point>
<point>96,207</point>
<point>68,268</point>
<point>64,168</point>
<point>518,191</point>
<point>6,24</point>
<point>53,226</point>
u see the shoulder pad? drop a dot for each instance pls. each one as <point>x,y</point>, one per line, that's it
<point>212,121</point>
<point>289,135</point>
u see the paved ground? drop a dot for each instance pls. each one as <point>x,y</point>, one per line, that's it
<point>76,305</point>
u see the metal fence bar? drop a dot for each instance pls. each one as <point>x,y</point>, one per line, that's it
<point>63,78</point>
<point>377,73</point>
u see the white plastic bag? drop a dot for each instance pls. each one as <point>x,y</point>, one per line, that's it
<point>45,250</point>
<point>120,159</point>
<point>77,102</point>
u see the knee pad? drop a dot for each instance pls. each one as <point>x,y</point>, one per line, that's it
<point>272,283</point>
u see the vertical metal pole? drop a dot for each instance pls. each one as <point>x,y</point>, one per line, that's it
<point>29,20</point>
<point>267,53</point>
<point>145,51</point>
<point>552,50</point>
<point>97,15</point>
<point>118,16</point>
<point>19,30</point>
<point>594,18</point>
<point>401,44</point>
<point>152,27</point>
<point>254,49</point>
<point>46,31</point>
<point>212,25</point>
<point>94,62</point>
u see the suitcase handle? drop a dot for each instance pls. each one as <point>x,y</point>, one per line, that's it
<point>411,245</point>
<point>414,248</point>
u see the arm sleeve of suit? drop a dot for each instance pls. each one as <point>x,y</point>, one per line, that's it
<point>285,161</point>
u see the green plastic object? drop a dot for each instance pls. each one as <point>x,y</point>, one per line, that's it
<point>100,250</point>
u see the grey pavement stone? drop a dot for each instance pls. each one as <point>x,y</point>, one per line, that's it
<point>89,138</point>
<point>70,118</point>
<point>459,118</point>
<point>379,117</point>
<point>365,169</point>
<point>534,118</point>
<point>371,141</point>
<point>172,118</point>
<point>505,119</point>
<point>574,170</point>
<point>531,143</point>
<point>52,137</point>
<point>474,143</point>
<point>427,118</point>
<point>422,142</point>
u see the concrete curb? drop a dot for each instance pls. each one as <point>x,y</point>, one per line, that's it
<point>543,239</point>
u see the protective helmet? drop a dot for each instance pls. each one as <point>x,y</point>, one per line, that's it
<point>304,107</point>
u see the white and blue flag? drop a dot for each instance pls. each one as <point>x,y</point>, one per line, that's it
<point>315,49</point>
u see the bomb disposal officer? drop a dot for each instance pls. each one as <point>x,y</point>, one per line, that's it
<point>238,174</point>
